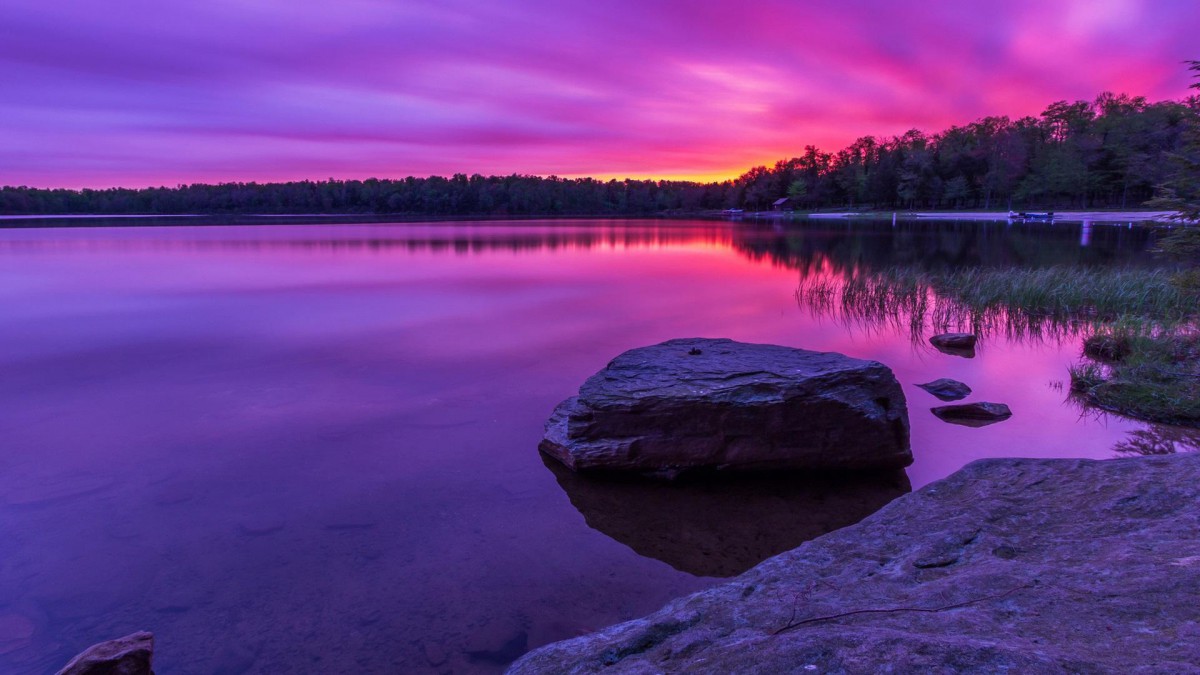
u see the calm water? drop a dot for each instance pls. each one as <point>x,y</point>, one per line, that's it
<point>312,448</point>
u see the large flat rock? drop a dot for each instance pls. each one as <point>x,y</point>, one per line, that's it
<point>701,403</point>
<point>1014,565</point>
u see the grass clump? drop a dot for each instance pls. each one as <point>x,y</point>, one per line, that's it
<point>1157,379</point>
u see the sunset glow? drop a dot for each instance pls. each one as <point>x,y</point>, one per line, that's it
<point>149,93</point>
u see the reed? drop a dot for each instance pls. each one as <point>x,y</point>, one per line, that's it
<point>1053,302</point>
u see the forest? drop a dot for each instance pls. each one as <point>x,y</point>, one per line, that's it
<point>1113,152</point>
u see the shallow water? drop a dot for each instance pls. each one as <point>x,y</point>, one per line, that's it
<point>303,448</point>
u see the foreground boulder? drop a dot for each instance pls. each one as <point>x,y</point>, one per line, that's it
<point>973,414</point>
<point>718,404</point>
<point>130,655</point>
<point>1012,565</point>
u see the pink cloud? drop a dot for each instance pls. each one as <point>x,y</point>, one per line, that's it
<point>141,93</point>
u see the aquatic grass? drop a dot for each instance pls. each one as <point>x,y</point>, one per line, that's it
<point>1054,302</point>
<point>1158,378</point>
<point>1062,292</point>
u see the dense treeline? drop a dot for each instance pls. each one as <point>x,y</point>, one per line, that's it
<point>436,195</point>
<point>1112,152</point>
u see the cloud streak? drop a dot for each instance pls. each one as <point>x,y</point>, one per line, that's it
<point>145,93</point>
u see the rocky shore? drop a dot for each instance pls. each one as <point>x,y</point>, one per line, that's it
<point>1012,565</point>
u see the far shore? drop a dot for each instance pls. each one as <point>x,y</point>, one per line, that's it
<point>32,220</point>
<point>1059,216</point>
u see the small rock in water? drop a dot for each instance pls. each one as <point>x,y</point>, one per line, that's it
<point>130,655</point>
<point>973,414</point>
<point>955,344</point>
<point>947,389</point>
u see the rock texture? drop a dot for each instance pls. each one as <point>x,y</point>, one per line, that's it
<point>947,389</point>
<point>718,404</point>
<point>720,526</point>
<point>973,414</point>
<point>130,655</point>
<point>1013,565</point>
<point>956,344</point>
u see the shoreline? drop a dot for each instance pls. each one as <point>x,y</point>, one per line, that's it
<point>84,220</point>
<point>1161,217</point>
<point>981,571</point>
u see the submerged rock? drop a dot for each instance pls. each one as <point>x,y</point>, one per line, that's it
<point>718,404</point>
<point>1010,565</point>
<point>499,641</point>
<point>721,526</point>
<point>947,389</point>
<point>129,655</point>
<point>956,344</point>
<point>973,414</point>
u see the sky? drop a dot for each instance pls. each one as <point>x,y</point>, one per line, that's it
<point>137,93</point>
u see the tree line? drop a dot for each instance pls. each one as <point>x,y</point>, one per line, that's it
<point>1113,152</point>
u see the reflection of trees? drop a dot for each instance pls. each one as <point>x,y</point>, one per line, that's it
<point>1159,440</point>
<point>917,276</point>
<point>456,238</point>
<point>856,245</point>
<point>841,246</point>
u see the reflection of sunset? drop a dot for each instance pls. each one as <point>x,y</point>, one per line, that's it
<point>373,395</point>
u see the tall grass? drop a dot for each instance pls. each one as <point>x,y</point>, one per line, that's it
<point>1049,302</point>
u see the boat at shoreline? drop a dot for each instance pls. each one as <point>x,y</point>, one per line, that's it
<point>1042,216</point>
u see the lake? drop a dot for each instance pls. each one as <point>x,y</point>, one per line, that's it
<point>313,448</point>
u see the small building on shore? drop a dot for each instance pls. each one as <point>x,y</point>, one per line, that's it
<point>782,204</point>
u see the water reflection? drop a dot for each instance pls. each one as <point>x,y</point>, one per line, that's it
<point>457,238</point>
<point>723,526</point>
<point>806,246</point>
<point>310,449</point>
<point>1159,439</point>
<point>859,245</point>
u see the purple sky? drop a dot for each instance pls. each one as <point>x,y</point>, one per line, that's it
<point>135,93</point>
